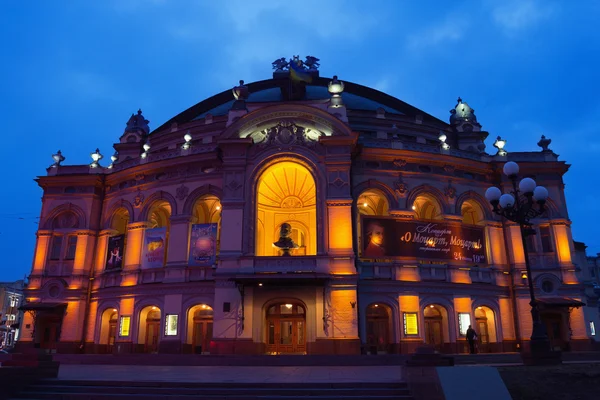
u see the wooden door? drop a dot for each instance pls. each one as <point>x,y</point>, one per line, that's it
<point>152,333</point>
<point>286,335</point>
<point>202,336</point>
<point>433,332</point>
<point>112,334</point>
<point>483,335</point>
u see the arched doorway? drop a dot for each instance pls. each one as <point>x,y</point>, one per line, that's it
<point>286,193</point>
<point>286,328</point>
<point>485,328</point>
<point>149,333</point>
<point>379,328</point>
<point>108,328</point>
<point>435,317</point>
<point>200,329</point>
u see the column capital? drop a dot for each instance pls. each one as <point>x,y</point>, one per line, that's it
<point>138,225</point>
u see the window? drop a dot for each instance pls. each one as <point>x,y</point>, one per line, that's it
<point>171,325</point>
<point>464,320</point>
<point>71,247</point>
<point>592,328</point>
<point>547,286</point>
<point>546,239</point>
<point>14,302</point>
<point>56,247</point>
<point>530,240</point>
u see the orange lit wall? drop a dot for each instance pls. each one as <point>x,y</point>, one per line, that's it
<point>340,227</point>
<point>344,316</point>
<point>506,319</point>
<point>563,248</point>
<point>91,326</point>
<point>525,321</point>
<point>39,261</point>
<point>101,251</point>
<point>72,322</point>
<point>135,237</point>
<point>516,244</point>
<point>496,250</point>
<point>408,274</point>
<point>463,305</point>
<point>460,276</point>
<point>578,323</point>
<point>409,303</point>
<point>81,252</point>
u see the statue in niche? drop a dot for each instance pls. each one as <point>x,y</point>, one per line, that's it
<point>285,242</point>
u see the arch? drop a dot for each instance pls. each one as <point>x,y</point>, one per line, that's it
<point>197,194</point>
<point>551,210</point>
<point>160,195</point>
<point>110,211</point>
<point>539,280</point>
<point>475,197</point>
<point>198,332</point>
<point>486,326</point>
<point>286,185</point>
<point>285,320</point>
<point>149,328</point>
<point>379,319</point>
<point>65,208</point>
<point>108,320</point>
<point>427,191</point>
<point>374,184</point>
<point>305,115</point>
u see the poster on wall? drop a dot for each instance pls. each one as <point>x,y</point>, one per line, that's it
<point>153,254</point>
<point>203,245</point>
<point>114,252</point>
<point>385,237</point>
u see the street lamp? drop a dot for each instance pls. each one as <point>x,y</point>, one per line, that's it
<point>524,202</point>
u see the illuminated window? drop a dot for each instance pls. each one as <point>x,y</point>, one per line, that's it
<point>411,326</point>
<point>592,328</point>
<point>546,239</point>
<point>71,247</point>
<point>56,247</point>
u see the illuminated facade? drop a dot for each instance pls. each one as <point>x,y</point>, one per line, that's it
<point>176,246</point>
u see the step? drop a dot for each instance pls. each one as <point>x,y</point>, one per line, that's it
<point>261,385</point>
<point>120,396</point>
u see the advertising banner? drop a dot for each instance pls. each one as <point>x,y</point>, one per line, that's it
<point>203,245</point>
<point>153,253</point>
<point>114,252</point>
<point>385,237</point>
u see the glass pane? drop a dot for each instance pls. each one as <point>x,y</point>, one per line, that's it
<point>300,325</point>
<point>286,332</point>
<point>56,246</point>
<point>271,332</point>
<point>71,247</point>
<point>272,310</point>
<point>300,310</point>
<point>285,308</point>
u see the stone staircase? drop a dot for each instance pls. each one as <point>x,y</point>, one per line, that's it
<point>103,390</point>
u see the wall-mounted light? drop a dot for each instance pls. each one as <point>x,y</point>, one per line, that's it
<point>218,208</point>
<point>365,204</point>
<point>96,157</point>
<point>524,275</point>
<point>414,207</point>
<point>353,304</point>
<point>260,284</point>
<point>146,147</point>
<point>188,138</point>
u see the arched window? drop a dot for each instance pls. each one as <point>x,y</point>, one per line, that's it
<point>63,245</point>
<point>372,202</point>
<point>427,207</point>
<point>286,210</point>
<point>207,210</point>
<point>472,213</point>
<point>159,216</point>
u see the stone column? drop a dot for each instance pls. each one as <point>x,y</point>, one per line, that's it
<point>179,241</point>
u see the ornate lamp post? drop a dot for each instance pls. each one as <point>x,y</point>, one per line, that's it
<point>524,202</point>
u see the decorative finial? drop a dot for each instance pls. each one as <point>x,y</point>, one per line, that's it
<point>544,143</point>
<point>442,138</point>
<point>188,138</point>
<point>240,93</point>
<point>335,89</point>
<point>146,148</point>
<point>58,158</point>
<point>96,157</point>
<point>499,144</point>
<point>458,101</point>
<point>113,159</point>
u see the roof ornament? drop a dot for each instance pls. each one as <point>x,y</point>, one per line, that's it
<point>137,122</point>
<point>310,64</point>
<point>58,158</point>
<point>240,92</point>
<point>499,144</point>
<point>462,113</point>
<point>96,157</point>
<point>544,143</point>
<point>335,89</point>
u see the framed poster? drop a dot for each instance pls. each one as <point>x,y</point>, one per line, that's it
<point>114,252</point>
<point>124,325</point>
<point>464,320</point>
<point>153,253</point>
<point>203,245</point>
<point>411,325</point>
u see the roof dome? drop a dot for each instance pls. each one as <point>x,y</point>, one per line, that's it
<point>462,113</point>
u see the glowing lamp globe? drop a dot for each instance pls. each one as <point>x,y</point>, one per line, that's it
<point>511,168</point>
<point>527,185</point>
<point>540,193</point>
<point>507,200</point>
<point>493,194</point>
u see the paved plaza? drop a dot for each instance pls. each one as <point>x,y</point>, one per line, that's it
<point>225,374</point>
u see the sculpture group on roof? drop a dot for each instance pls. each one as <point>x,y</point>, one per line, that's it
<point>310,64</point>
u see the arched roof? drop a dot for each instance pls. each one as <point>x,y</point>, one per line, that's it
<point>355,97</point>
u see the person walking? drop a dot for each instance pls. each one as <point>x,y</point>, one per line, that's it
<point>471,338</point>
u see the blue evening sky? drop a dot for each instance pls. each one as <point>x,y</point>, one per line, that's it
<point>74,71</point>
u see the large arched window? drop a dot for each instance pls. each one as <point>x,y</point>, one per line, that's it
<point>371,202</point>
<point>286,194</point>
<point>207,210</point>
<point>159,217</point>
<point>427,207</point>
<point>472,213</point>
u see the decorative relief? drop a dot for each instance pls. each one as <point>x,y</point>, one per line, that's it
<point>182,192</point>
<point>138,199</point>
<point>449,190</point>
<point>400,164</point>
<point>338,182</point>
<point>449,168</point>
<point>286,134</point>
<point>400,187</point>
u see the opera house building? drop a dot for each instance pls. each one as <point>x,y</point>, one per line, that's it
<point>299,215</point>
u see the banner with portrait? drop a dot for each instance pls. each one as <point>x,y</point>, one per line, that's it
<point>203,245</point>
<point>388,237</point>
<point>153,253</point>
<point>114,252</point>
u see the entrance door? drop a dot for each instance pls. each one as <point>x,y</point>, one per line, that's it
<point>202,336</point>
<point>555,330</point>
<point>50,332</point>
<point>483,335</point>
<point>152,332</point>
<point>433,332</point>
<point>112,334</point>
<point>378,328</point>
<point>286,329</point>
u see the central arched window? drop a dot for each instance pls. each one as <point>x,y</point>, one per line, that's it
<point>286,194</point>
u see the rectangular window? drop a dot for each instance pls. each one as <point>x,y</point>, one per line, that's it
<point>464,320</point>
<point>13,302</point>
<point>71,247</point>
<point>592,328</point>
<point>56,247</point>
<point>530,240</point>
<point>546,239</point>
<point>171,325</point>
<point>411,326</point>
<point>124,326</point>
